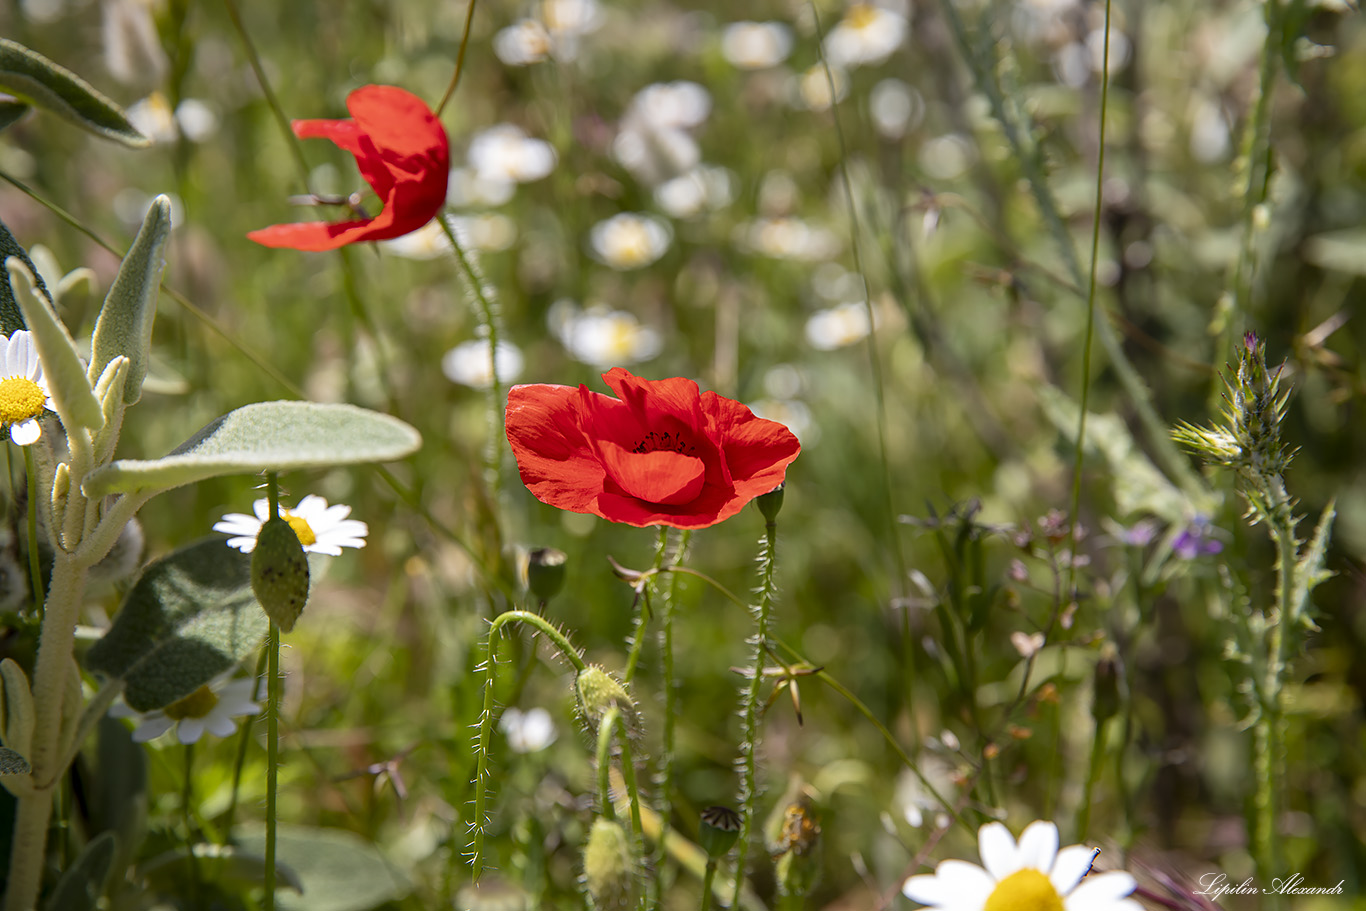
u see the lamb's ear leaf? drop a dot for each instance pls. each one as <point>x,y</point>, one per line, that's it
<point>82,885</point>
<point>11,110</point>
<point>36,80</point>
<point>274,436</point>
<point>11,318</point>
<point>13,763</point>
<point>190,617</point>
<point>124,326</point>
<point>62,367</point>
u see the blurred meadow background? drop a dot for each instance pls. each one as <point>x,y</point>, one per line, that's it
<point>892,258</point>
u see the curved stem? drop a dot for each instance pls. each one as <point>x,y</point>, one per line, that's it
<point>606,728</point>
<point>459,60</point>
<point>272,718</point>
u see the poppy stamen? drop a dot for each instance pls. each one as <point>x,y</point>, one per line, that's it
<point>667,441</point>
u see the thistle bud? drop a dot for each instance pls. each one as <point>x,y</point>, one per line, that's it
<point>545,572</point>
<point>599,691</point>
<point>279,573</point>
<point>608,871</point>
<point>770,503</point>
<point>719,832</point>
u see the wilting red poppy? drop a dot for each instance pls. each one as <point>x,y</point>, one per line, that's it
<point>660,454</point>
<point>402,152</point>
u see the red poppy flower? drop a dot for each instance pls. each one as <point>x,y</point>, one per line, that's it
<point>402,152</point>
<point>660,454</point>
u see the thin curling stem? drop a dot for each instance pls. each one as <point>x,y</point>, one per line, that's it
<point>606,726</point>
<point>485,734</point>
<point>749,713</point>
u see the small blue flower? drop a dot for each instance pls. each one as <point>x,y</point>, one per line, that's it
<point>1197,540</point>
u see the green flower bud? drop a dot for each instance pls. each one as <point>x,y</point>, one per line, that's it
<point>279,573</point>
<point>608,870</point>
<point>545,572</point>
<point>599,691</point>
<point>720,831</point>
<point>770,503</point>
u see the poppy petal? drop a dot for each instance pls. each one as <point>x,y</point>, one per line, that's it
<point>554,459</point>
<point>663,477</point>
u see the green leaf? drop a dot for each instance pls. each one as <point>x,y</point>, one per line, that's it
<point>115,779</point>
<point>10,111</point>
<point>1309,569</point>
<point>275,436</point>
<point>62,367</point>
<point>124,326</point>
<point>12,763</point>
<point>81,886</point>
<point>190,617</point>
<point>339,870</point>
<point>33,78</point>
<point>11,318</point>
<point>234,867</point>
<point>1340,251</point>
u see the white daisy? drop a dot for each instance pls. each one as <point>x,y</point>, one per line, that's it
<point>210,708</point>
<point>322,529</point>
<point>653,141</point>
<point>838,326</point>
<point>523,43</point>
<point>629,240</point>
<point>506,154</point>
<point>603,337</point>
<point>468,363</point>
<point>756,45</point>
<point>867,34</point>
<point>528,732</point>
<point>1033,874</point>
<point>24,394</point>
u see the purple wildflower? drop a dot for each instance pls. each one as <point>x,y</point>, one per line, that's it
<point>1197,540</point>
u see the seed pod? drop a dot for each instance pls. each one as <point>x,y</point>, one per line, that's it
<point>770,503</point>
<point>545,572</point>
<point>608,871</point>
<point>719,832</point>
<point>279,573</point>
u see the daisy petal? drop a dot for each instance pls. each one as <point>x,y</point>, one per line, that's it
<point>1038,846</point>
<point>245,544</point>
<point>25,433</point>
<point>219,724</point>
<point>189,730</point>
<point>1100,892</point>
<point>152,728</point>
<point>1070,867</point>
<point>955,884</point>
<point>997,848</point>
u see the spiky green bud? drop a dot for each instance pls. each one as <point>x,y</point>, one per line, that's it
<point>608,869</point>
<point>599,691</point>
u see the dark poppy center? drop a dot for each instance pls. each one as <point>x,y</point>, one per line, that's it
<point>667,441</point>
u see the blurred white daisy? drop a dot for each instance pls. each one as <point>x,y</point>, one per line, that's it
<point>24,394</point>
<point>867,35</point>
<point>468,363</point>
<point>788,237</point>
<point>505,153</point>
<point>756,45</point>
<point>568,21</point>
<point>836,327</point>
<point>1032,874</point>
<point>629,240</point>
<point>153,118</point>
<point>210,708</point>
<point>601,336</point>
<point>523,43</point>
<point>652,141</point>
<point>321,529</point>
<point>528,732</point>
<point>487,232</point>
<point>702,188</point>
<point>895,107</point>
<point>811,89</point>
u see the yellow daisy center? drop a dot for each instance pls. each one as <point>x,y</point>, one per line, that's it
<point>20,399</point>
<point>302,530</point>
<point>861,16</point>
<point>196,705</point>
<point>1024,890</point>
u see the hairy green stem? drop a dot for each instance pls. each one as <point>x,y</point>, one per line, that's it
<point>664,782</point>
<point>1269,733</point>
<point>749,712</point>
<point>35,570</point>
<point>272,717</point>
<point>606,729</point>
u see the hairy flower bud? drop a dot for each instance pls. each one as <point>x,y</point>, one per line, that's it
<point>279,573</point>
<point>599,691</point>
<point>771,503</point>
<point>608,870</point>
<point>545,572</point>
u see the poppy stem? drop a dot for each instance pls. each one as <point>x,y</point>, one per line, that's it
<point>749,711</point>
<point>606,724</point>
<point>459,60</point>
<point>666,647</point>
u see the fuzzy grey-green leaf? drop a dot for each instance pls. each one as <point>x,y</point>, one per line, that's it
<point>82,884</point>
<point>10,111</point>
<point>11,318</point>
<point>275,436</point>
<point>33,78</point>
<point>124,326</point>
<point>12,763</point>
<point>190,616</point>
<point>337,870</point>
<point>62,368</point>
